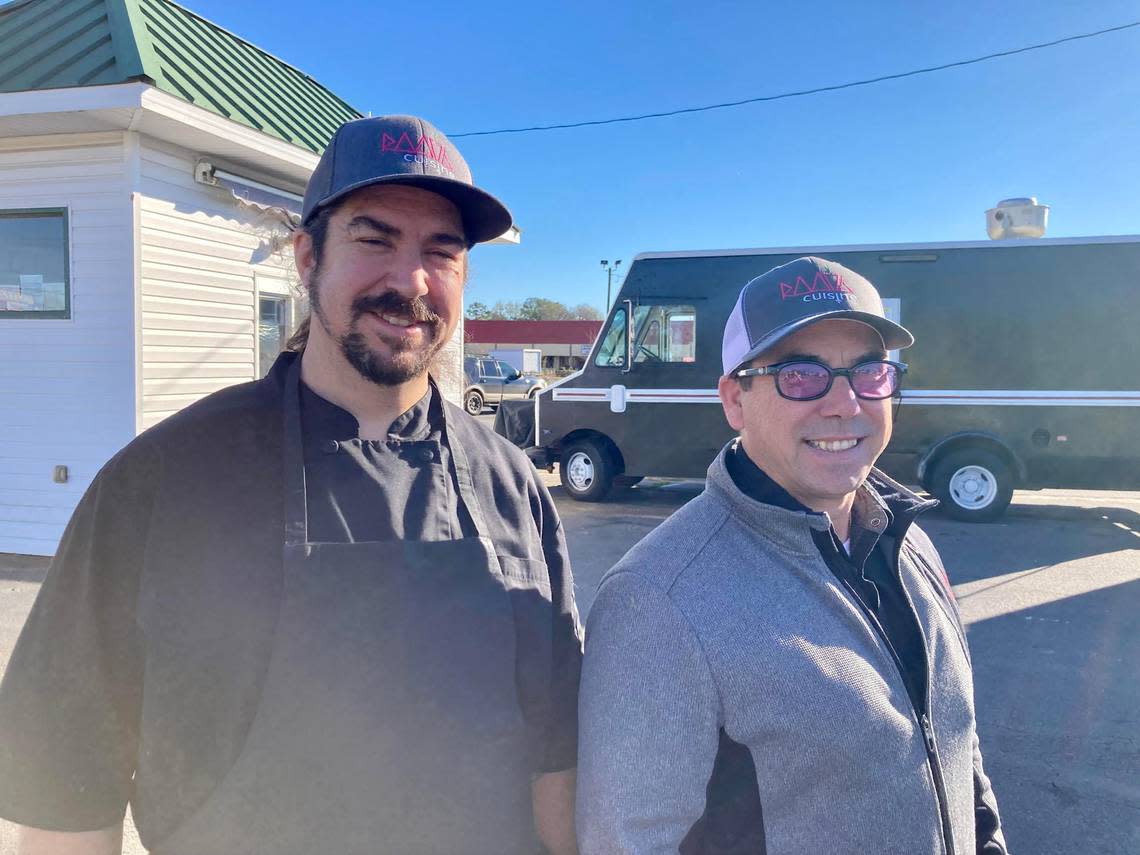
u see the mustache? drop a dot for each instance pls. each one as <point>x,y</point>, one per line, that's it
<point>391,303</point>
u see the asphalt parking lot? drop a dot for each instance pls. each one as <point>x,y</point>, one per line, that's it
<point>1051,598</point>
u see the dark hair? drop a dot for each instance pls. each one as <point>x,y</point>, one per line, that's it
<point>300,336</point>
<point>318,231</point>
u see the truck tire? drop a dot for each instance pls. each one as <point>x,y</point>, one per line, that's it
<point>586,470</point>
<point>973,484</point>
<point>473,402</point>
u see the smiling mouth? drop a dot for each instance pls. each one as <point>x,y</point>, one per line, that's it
<point>397,320</point>
<point>403,322</point>
<point>833,446</point>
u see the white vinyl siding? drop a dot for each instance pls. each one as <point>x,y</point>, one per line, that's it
<point>66,385</point>
<point>198,289</point>
<point>448,368</point>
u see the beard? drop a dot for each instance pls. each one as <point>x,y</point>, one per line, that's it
<point>404,360</point>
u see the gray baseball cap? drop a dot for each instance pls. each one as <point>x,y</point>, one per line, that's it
<point>796,295</point>
<point>403,150</point>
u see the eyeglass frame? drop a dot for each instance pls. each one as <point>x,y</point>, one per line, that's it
<point>832,373</point>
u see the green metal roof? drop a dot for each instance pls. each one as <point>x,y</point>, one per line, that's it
<point>56,44</point>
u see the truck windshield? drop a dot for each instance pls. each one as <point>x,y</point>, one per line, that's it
<point>661,333</point>
<point>664,334</point>
<point>612,351</point>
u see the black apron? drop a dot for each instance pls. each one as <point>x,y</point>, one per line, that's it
<point>389,718</point>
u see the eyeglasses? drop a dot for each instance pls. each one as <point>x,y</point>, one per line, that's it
<point>808,381</point>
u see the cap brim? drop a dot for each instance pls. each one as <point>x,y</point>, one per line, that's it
<point>484,216</point>
<point>895,337</point>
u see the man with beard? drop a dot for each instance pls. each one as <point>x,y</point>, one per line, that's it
<point>780,666</point>
<point>322,612</point>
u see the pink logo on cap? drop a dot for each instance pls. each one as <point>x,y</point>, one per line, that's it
<point>821,282</point>
<point>424,147</point>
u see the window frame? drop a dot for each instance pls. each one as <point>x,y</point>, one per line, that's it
<point>608,329</point>
<point>286,307</point>
<point>664,333</point>
<point>63,314</point>
<point>505,369</point>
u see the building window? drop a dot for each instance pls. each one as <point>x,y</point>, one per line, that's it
<point>34,280</point>
<point>272,330</point>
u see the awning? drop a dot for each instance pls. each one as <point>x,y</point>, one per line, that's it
<point>249,192</point>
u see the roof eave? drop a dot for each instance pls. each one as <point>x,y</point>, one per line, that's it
<point>142,107</point>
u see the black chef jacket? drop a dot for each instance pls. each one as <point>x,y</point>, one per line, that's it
<point>139,670</point>
<point>408,490</point>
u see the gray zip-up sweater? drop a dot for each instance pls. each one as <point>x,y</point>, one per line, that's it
<point>726,616</point>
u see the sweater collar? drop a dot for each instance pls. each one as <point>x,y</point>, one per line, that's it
<point>769,508</point>
<point>789,528</point>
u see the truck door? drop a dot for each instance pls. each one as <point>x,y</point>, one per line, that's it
<point>514,387</point>
<point>491,379</point>
<point>663,413</point>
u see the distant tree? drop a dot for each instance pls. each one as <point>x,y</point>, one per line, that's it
<point>478,312</point>
<point>531,309</point>
<point>541,309</point>
<point>504,310</point>
<point>585,312</point>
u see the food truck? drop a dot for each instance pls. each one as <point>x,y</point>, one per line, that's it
<point>1023,374</point>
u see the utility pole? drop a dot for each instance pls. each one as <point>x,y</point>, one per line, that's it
<point>609,279</point>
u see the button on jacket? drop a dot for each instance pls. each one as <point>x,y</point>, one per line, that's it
<point>727,620</point>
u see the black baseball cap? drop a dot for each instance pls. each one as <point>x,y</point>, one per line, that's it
<point>403,150</point>
<point>796,295</point>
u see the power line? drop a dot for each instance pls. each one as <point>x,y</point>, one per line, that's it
<point>802,92</point>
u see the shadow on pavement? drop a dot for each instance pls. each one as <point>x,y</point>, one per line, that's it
<point>1058,698</point>
<point>651,493</point>
<point>23,568</point>
<point>1030,537</point>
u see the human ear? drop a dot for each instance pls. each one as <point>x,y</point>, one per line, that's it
<point>730,399</point>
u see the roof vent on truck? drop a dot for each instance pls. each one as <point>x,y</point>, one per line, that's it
<point>1017,218</point>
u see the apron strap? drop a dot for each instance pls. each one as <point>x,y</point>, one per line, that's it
<point>293,460</point>
<point>454,440</point>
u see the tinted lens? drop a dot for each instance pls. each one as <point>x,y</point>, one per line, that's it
<point>875,380</point>
<point>802,380</point>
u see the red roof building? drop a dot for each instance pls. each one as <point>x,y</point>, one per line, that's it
<point>564,344</point>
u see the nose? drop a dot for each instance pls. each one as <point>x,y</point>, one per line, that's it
<point>840,400</point>
<point>408,276</point>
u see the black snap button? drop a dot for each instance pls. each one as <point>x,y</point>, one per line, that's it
<point>330,446</point>
<point>427,455</point>
<point>876,522</point>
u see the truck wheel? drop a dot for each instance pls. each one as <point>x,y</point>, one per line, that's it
<point>586,470</point>
<point>473,402</point>
<point>974,484</point>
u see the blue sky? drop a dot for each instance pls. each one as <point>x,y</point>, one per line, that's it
<point>912,160</point>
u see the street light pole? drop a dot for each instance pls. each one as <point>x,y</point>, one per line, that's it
<point>609,279</point>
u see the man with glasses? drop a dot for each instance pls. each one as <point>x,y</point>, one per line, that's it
<point>780,666</point>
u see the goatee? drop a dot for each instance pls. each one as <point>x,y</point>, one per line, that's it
<point>405,360</point>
